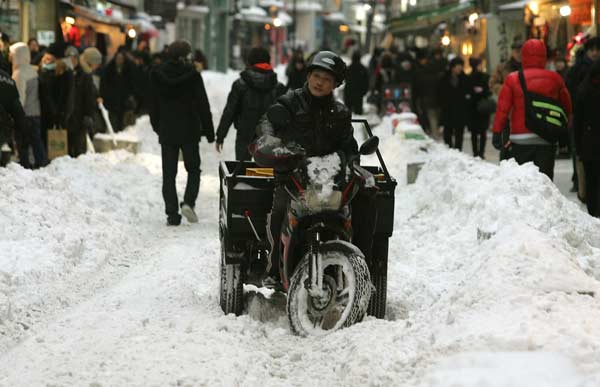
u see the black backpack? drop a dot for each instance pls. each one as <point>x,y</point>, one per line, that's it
<point>544,116</point>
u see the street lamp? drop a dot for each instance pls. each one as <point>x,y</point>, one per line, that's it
<point>70,20</point>
<point>445,40</point>
<point>277,22</point>
<point>565,11</point>
<point>131,33</point>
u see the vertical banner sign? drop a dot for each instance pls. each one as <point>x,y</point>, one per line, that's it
<point>581,12</point>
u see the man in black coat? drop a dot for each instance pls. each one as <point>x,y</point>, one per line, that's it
<point>250,96</point>
<point>117,89</point>
<point>180,115</point>
<point>319,124</point>
<point>80,121</point>
<point>453,93</point>
<point>575,78</point>
<point>12,117</point>
<point>357,84</point>
<point>586,127</point>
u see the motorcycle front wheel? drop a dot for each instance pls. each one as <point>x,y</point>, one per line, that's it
<point>346,293</point>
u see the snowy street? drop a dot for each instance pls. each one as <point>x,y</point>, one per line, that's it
<point>494,277</point>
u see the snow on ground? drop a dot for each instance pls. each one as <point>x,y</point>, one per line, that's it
<point>493,281</point>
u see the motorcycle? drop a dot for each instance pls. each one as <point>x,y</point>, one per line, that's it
<point>326,277</point>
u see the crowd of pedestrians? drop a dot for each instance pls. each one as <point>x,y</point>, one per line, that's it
<point>62,87</point>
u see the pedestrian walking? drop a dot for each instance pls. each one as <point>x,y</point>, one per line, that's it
<point>454,94</point>
<point>12,117</point>
<point>586,125</point>
<point>481,106</point>
<point>529,143</point>
<point>80,122</point>
<point>250,96</point>
<point>56,90</point>
<point>357,84</point>
<point>27,82</point>
<point>117,89</point>
<point>180,115</point>
<point>296,71</point>
<point>584,58</point>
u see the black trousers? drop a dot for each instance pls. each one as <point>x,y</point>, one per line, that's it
<point>191,161</point>
<point>274,226</point>
<point>241,148</point>
<point>478,141</point>
<point>77,142</point>
<point>592,186</point>
<point>453,137</point>
<point>541,155</point>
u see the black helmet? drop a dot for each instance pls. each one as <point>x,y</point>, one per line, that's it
<point>331,62</point>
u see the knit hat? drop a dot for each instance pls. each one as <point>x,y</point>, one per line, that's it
<point>71,51</point>
<point>258,55</point>
<point>455,62</point>
<point>92,56</point>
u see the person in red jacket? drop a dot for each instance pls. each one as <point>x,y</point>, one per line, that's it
<point>525,145</point>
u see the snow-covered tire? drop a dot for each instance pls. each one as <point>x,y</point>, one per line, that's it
<point>356,275</point>
<point>232,286</point>
<point>378,269</point>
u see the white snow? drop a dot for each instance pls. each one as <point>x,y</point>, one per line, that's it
<point>96,290</point>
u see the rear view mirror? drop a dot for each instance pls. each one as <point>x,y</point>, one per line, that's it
<point>278,115</point>
<point>370,146</point>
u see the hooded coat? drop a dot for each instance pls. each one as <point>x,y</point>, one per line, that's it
<point>179,108</point>
<point>511,101</point>
<point>26,79</point>
<point>248,100</point>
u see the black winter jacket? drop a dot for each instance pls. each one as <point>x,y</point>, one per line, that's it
<point>56,98</point>
<point>479,89</point>
<point>577,73</point>
<point>248,100</point>
<point>454,101</point>
<point>179,108</point>
<point>586,122</point>
<point>84,102</point>
<point>117,88</point>
<point>357,82</point>
<point>320,125</point>
<point>12,116</point>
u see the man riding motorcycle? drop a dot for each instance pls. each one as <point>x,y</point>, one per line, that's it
<point>315,121</point>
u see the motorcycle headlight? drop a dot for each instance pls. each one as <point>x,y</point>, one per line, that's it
<point>317,200</point>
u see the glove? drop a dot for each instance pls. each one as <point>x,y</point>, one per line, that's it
<point>497,141</point>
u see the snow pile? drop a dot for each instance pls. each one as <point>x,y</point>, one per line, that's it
<point>69,219</point>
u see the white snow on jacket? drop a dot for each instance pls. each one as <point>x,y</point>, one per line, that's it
<point>26,78</point>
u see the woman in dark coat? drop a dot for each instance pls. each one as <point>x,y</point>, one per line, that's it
<point>117,89</point>
<point>479,121</point>
<point>454,94</point>
<point>586,125</point>
<point>357,84</point>
<point>296,71</point>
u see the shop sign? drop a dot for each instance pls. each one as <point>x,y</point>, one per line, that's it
<point>45,37</point>
<point>581,12</point>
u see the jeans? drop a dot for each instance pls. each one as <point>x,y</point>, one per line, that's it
<point>33,140</point>
<point>170,160</point>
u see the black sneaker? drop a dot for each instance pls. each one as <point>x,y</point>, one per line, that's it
<point>174,220</point>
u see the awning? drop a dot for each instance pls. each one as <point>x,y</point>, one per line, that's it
<point>517,5</point>
<point>254,15</point>
<point>415,21</point>
<point>335,17</point>
<point>101,18</point>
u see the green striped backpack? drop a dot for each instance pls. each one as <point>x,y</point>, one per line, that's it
<point>544,116</point>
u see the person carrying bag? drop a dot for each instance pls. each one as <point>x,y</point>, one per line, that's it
<point>538,105</point>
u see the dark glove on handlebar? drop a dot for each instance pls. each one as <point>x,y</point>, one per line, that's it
<point>497,141</point>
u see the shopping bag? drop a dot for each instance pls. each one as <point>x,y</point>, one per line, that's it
<point>58,144</point>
